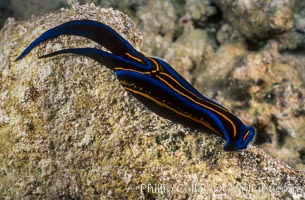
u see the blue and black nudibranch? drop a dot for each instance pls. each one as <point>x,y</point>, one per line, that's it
<point>153,81</point>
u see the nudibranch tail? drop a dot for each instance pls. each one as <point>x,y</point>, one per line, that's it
<point>95,31</point>
<point>110,60</point>
<point>153,81</point>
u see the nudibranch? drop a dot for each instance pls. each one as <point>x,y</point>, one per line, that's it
<point>152,81</point>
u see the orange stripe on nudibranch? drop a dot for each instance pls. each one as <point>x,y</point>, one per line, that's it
<point>172,109</point>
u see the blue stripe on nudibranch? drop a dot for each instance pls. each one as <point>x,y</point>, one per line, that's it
<point>153,81</point>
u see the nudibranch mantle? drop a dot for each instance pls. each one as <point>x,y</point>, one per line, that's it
<point>153,81</point>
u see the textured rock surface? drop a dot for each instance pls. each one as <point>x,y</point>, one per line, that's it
<point>185,55</point>
<point>24,9</point>
<point>266,88</point>
<point>259,19</point>
<point>69,130</point>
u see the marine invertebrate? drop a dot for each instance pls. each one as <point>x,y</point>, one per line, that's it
<point>153,81</point>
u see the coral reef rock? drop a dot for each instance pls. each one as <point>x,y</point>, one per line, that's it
<point>258,19</point>
<point>68,130</point>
